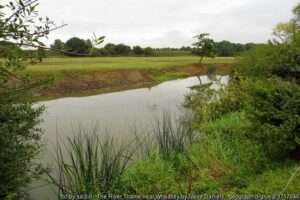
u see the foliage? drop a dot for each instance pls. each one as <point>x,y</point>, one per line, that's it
<point>253,124</point>
<point>273,107</point>
<point>20,26</point>
<point>137,50</point>
<point>77,46</point>
<point>19,144</point>
<point>273,59</point>
<point>58,45</point>
<point>148,51</point>
<point>226,48</point>
<point>204,47</point>
<point>222,49</point>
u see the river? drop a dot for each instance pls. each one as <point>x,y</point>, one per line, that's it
<point>118,112</point>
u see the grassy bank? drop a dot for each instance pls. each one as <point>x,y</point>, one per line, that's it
<point>85,76</point>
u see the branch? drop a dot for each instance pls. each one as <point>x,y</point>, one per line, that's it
<point>47,31</point>
<point>20,9</point>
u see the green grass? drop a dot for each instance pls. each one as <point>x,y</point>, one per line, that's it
<point>53,65</point>
<point>281,180</point>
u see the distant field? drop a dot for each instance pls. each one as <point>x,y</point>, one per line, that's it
<point>85,76</point>
<point>53,65</point>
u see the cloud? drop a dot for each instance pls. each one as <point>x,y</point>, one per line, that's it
<point>170,23</point>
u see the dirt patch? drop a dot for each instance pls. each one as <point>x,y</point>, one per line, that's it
<point>75,84</point>
<point>85,83</point>
<point>197,69</point>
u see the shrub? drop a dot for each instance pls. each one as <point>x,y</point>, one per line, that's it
<point>273,107</point>
<point>257,62</point>
<point>19,145</point>
<point>282,60</point>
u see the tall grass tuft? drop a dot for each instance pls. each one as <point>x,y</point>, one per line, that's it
<point>173,136</point>
<point>167,137</point>
<point>89,165</point>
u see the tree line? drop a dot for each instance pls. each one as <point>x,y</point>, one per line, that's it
<point>76,46</point>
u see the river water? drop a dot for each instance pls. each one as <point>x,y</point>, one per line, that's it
<point>118,112</point>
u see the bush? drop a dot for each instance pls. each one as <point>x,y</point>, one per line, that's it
<point>19,145</point>
<point>273,107</point>
<point>257,62</point>
<point>282,60</point>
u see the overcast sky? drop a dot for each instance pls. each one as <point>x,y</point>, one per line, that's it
<point>162,23</point>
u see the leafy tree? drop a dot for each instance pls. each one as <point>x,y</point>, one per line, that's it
<point>137,50</point>
<point>205,47</point>
<point>185,48</point>
<point>58,45</point>
<point>19,138</point>
<point>88,44</point>
<point>76,45</point>
<point>122,49</point>
<point>110,48</point>
<point>225,48</point>
<point>5,48</point>
<point>148,51</point>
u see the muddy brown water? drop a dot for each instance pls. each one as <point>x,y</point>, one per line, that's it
<point>118,112</point>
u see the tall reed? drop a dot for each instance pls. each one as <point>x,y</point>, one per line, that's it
<point>168,137</point>
<point>90,165</point>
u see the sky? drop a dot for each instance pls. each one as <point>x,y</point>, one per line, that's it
<point>167,23</point>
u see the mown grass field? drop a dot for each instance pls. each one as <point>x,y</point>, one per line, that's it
<point>53,65</point>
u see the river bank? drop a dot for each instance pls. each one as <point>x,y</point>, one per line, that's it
<point>84,83</point>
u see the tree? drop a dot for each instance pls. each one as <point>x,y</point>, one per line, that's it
<point>76,45</point>
<point>110,49</point>
<point>204,47</point>
<point>225,48</point>
<point>88,44</point>
<point>148,51</point>
<point>21,26</point>
<point>137,50</point>
<point>58,45</point>
<point>122,49</point>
